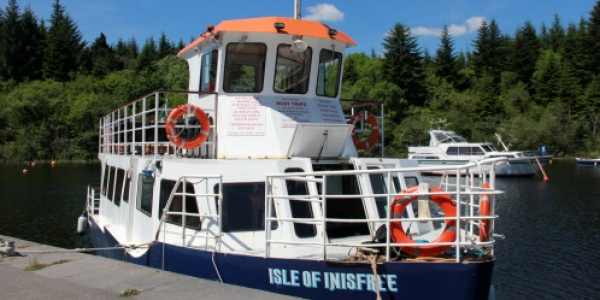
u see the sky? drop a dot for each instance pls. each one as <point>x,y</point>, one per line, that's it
<point>367,22</point>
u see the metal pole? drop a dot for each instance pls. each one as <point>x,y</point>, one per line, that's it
<point>297,14</point>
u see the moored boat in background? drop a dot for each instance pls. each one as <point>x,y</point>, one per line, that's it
<point>446,148</point>
<point>587,162</point>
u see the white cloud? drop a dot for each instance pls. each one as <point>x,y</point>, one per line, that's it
<point>472,24</point>
<point>324,12</point>
<point>426,31</point>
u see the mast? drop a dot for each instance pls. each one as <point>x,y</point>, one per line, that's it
<point>297,9</point>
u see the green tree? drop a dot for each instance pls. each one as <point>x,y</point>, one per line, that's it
<point>11,44</point>
<point>164,47</point>
<point>63,47</point>
<point>34,41</point>
<point>148,57</point>
<point>403,66</point>
<point>102,57</point>
<point>446,65</point>
<point>526,50</point>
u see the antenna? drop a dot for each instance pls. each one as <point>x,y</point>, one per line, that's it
<point>297,13</point>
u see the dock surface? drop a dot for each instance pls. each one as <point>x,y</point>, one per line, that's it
<point>66,274</point>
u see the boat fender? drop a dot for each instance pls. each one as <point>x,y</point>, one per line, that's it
<point>484,210</point>
<point>365,116</point>
<point>400,235</point>
<point>82,224</point>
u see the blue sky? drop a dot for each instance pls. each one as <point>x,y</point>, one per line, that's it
<point>365,21</point>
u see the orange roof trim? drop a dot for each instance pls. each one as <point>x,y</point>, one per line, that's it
<point>267,25</point>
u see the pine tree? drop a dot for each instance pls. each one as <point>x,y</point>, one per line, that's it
<point>102,56</point>
<point>526,51</point>
<point>11,44</point>
<point>445,59</point>
<point>556,35</point>
<point>64,46</point>
<point>148,56</point>
<point>34,41</point>
<point>403,64</point>
<point>164,47</point>
<point>594,39</point>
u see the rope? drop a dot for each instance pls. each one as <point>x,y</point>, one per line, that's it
<point>80,250</point>
<point>217,239</point>
<point>373,259</point>
<point>76,250</point>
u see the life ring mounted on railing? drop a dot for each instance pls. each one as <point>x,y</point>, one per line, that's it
<point>448,235</point>
<point>174,136</point>
<point>368,117</point>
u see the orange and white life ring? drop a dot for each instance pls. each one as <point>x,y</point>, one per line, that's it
<point>484,211</point>
<point>171,129</point>
<point>365,116</point>
<point>448,235</point>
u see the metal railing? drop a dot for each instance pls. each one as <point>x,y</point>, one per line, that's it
<point>138,128</point>
<point>204,218</point>
<point>93,199</point>
<point>465,195</point>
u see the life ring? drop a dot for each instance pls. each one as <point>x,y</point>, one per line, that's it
<point>365,116</point>
<point>171,130</point>
<point>484,211</point>
<point>448,235</point>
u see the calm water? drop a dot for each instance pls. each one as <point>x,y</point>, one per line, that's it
<point>552,227</point>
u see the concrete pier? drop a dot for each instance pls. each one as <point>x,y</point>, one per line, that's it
<point>59,274</point>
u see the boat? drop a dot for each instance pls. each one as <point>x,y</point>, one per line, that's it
<point>587,162</point>
<point>253,177</point>
<point>448,148</point>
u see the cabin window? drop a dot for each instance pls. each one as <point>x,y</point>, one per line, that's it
<point>244,207</point>
<point>177,204</point>
<point>379,185</point>
<point>145,192</point>
<point>411,181</point>
<point>477,151</point>
<point>120,175</point>
<point>345,207</point>
<point>126,187</point>
<point>330,66</point>
<point>105,179</point>
<point>110,185</point>
<point>208,71</point>
<point>452,151</point>
<point>300,208</point>
<point>244,67</point>
<point>292,70</point>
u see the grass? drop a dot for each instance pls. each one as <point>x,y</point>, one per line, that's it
<point>35,265</point>
<point>129,293</point>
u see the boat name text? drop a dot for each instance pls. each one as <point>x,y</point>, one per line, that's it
<point>333,280</point>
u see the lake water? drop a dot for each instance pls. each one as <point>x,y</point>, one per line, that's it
<point>552,228</point>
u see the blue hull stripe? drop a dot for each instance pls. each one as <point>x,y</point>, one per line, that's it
<point>318,279</point>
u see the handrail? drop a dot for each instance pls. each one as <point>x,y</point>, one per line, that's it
<point>138,128</point>
<point>464,218</point>
<point>93,199</point>
<point>166,210</point>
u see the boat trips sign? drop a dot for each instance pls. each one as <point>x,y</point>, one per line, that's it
<point>333,280</point>
<point>248,114</point>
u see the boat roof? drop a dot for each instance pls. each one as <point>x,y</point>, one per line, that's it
<point>297,27</point>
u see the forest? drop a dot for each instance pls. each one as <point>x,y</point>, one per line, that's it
<point>534,87</point>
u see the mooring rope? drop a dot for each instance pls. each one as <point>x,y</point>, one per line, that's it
<point>373,259</point>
